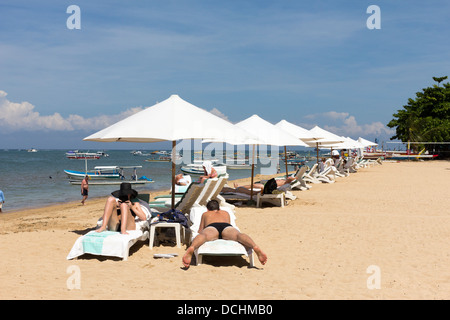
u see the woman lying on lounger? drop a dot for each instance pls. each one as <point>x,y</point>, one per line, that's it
<point>119,211</point>
<point>257,187</point>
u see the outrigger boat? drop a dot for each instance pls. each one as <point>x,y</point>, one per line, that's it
<point>99,172</point>
<point>106,175</point>
<point>196,168</point>
<point>82,155</point>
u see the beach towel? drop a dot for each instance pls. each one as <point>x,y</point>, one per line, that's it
<point>110,243</point>
<point>107,243</point>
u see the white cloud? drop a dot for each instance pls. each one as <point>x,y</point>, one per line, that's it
<point>218,113</point>
<point>23,117</point>
<point>344,124</point>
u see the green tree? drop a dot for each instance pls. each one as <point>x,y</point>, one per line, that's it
<point>426,118</point>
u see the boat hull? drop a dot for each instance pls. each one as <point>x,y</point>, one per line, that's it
<point>79,175</point>
<point>111,182</point>
<point>196,169</point>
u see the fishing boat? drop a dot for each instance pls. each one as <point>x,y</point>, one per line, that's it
<point>408,155</point>
<point>82,155</point>
<point>159,159</point>
<point>99,172</point>
<point>107,175</point>
<point>196,168</point>
<point>32,150</point>
<point>236,166</point>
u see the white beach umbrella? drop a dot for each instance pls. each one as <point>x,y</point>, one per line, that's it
<point>325,139</point>
<point>366,143</point>
<point>270,135</point>
<point>170,120</point>
<point>297,131</point>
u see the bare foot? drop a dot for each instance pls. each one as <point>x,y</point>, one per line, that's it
<point>188,257</point>
<point>262,257</point>
<point>101,229</point>
<point>236,185</point>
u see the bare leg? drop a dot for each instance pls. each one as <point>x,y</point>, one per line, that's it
<point>128,222</point>
<point>207,234</point>
<point>110,218</point>
<point>231,233</point>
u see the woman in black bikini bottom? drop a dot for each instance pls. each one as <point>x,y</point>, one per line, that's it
<point>220,226</point>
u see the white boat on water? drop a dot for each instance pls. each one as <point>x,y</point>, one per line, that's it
<point>196,168</point>
<point>106,175</point>
<point>82,155</point>
<point>99,172</point>
<point>239,166</point>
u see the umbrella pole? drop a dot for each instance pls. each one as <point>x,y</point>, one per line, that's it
<point>285,161</point>
<point>253,170</point>
<point>173,173</point>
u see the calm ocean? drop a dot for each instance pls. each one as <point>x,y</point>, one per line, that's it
<point>37,179</point>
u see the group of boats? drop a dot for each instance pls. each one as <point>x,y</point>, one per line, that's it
<point>398,155</point>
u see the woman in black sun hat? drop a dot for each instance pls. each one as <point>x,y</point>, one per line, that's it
<point>120,211</point>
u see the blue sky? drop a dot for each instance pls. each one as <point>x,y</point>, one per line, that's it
<point>311,63</point>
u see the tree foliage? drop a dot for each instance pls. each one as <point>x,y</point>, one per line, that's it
<point>426,118</point>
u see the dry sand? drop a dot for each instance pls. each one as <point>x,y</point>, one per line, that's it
<point>394,217</point>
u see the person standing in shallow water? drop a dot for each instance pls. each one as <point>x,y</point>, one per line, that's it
<point>84,189</point>
<point>2,200</point>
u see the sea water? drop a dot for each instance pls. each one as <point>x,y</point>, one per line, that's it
<point>37,179</point>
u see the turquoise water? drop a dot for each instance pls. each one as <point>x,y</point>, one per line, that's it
<point>37,179</point>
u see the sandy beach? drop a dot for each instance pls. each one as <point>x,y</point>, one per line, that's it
<point>392,218</point>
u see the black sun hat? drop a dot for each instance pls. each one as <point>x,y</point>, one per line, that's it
<point>125,190</point>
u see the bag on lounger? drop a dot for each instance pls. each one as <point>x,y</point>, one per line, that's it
<point>270,186</point>
<point>174,216</point>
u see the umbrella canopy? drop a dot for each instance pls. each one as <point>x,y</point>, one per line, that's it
<point>170,120</point>
<point>348,143</point>
<point>297,131</point>
<point>366,143</point>
<point>324,137</point>
<point>268,133</point>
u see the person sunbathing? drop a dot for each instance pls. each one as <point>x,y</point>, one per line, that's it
<point>181,180</point>
<point>119,211</point>
<point>215,224</point>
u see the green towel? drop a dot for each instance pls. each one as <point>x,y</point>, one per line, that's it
<point>93,241</point>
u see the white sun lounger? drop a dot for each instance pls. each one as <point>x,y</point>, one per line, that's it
<point>309,176</point>
<point>219,247</point>
<point>110,243</point>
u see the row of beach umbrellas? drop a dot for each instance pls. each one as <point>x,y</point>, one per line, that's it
<point>175,119</point>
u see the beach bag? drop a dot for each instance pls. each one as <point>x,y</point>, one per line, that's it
<point>270,186</point>
<point>174,215</point>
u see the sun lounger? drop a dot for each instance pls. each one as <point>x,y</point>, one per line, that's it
<point>327,175</point>
<point>111,243</point>
<point>192,195</point>
<point>219,247</point>
<point>309,176</point>
<point>299,183</point>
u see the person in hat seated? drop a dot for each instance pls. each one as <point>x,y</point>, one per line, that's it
<point>120,211</point>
